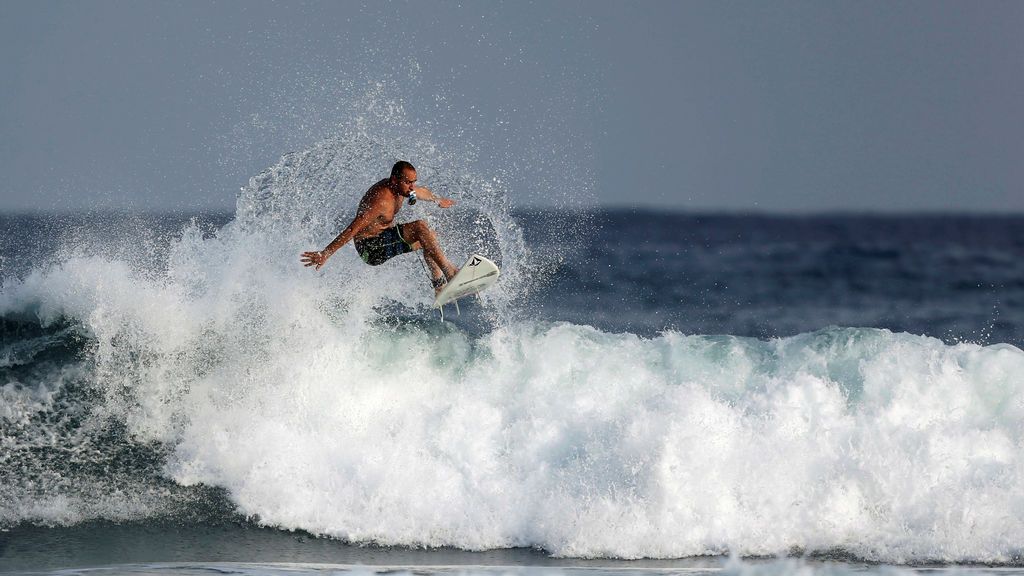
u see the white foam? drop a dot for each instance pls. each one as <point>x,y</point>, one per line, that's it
<point>592,444</point>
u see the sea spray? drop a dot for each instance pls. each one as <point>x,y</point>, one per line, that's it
<point>132,323</point>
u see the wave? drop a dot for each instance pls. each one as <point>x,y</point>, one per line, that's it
<point>333,403</point>
<point>888,446</point>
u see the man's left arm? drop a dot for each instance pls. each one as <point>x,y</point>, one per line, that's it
<point>426,194</point>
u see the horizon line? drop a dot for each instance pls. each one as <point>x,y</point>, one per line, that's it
<point>615,208</point>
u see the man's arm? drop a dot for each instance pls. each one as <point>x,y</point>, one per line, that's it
<point>426,194</point>
<point>361,221</point>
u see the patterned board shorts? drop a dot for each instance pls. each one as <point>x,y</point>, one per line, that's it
<point>382,247</point>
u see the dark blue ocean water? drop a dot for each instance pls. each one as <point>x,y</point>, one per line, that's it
<point>647,385</point>
<point>958,278</point>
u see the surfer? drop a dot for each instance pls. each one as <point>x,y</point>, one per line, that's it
<point>377,238</point>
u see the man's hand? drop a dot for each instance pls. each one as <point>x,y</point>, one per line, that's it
<point>445,202</point>
<point>315,259</point>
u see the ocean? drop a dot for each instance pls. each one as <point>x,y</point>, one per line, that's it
<point>643,392</point>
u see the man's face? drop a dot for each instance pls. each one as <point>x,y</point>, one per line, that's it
<point>407,183</point>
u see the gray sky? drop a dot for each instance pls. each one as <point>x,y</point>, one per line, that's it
<point>771,106</point>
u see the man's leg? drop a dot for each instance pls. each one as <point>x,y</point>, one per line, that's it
<point>419,235</point>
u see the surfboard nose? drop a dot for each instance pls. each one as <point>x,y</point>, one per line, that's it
<point>478,274</point>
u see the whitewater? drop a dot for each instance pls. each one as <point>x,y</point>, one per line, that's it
<point>144,373</point>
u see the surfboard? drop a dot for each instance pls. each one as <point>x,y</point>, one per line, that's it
<point>477,274</point>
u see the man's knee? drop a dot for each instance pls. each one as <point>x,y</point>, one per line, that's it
<point>417,228</point>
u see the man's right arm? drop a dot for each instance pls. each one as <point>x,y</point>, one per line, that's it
<point>361,221</point>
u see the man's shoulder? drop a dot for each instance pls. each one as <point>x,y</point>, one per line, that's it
<point>377,195</point>
<point>379,189</point>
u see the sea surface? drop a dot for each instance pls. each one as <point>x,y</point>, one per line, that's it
<point>643,392</point>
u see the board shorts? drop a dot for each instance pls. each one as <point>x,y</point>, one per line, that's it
<point>382,247</point>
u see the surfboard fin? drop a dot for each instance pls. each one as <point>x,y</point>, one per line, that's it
<point>457,311</point>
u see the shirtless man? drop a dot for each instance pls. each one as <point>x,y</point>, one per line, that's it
<point>376,236</point>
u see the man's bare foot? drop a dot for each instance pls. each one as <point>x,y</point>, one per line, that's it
<point>438,284</point>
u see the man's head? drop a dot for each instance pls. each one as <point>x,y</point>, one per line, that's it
<point>403,177</point>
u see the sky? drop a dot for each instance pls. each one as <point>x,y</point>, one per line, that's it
<point>781,106</point>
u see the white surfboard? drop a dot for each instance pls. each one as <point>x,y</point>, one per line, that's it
<point>477,274</point>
